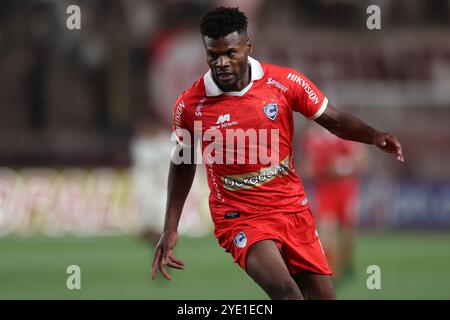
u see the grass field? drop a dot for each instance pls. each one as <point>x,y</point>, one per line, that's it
<point>413,266</point>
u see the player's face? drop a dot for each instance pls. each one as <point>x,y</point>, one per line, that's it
<point>228,59</point>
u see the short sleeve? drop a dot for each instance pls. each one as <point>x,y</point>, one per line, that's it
<point>182,129</point>
<point>305,97</point>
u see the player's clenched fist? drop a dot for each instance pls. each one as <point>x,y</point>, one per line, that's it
<point>390,144</point>
<point>164,255</point>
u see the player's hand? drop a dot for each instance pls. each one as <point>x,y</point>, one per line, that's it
<point>390,144</point>
<point>164,255</point>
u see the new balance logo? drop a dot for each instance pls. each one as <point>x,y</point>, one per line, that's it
<point>223,118</point>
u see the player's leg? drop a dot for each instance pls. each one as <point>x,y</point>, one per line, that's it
<point>329,234</point>
<point>347,236</point>
<point>306,258</point>
<point>266,266</point>
<point>327,200</point>
<point>348,231</point>
<point>348,243</point>
<point>315,286</point>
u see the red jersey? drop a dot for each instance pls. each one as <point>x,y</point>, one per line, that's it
<point>331,158</point>
<point>249,188</point>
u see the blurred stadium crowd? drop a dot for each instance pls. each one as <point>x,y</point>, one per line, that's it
<point>102,96</point>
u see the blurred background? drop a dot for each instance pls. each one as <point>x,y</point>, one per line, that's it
<point>85,123</point>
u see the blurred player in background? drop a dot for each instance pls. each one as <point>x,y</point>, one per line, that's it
<point>150,149</point>
<point>333,166</point>
<point>260,212</point>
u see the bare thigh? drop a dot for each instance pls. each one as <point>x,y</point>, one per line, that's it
<point>266,266</point>
<point>315,286</point>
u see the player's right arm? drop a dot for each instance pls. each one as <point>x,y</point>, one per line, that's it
<point>181,176</point>
<point>180,181</point>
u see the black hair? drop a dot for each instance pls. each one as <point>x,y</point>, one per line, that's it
<point>222,21</point>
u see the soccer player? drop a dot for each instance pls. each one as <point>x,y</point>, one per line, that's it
<point>333,167</point>
<point>260,212</point>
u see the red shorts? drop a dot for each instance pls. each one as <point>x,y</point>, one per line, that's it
<point>337,201</point>
<point>295,235</point>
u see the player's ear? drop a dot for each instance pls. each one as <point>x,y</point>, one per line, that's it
<point>249,45</point>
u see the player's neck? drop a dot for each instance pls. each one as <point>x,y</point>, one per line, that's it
<point>241,84</point>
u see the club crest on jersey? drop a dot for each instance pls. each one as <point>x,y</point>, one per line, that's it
<point>240,239</point>
<point>271,110</point>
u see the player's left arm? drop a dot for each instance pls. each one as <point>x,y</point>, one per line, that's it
<point>350,127</point>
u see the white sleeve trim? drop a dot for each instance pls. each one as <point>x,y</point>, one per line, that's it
<point>321,110</point>
<point>177,139</point>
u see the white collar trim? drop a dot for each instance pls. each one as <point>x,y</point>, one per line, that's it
<point>212,89</point>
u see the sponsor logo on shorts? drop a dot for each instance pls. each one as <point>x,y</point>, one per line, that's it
<point>240,240</point>
<point>256,179</point>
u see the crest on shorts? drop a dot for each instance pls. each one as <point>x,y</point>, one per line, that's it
<point>271,110</point>
<point>240,239</point>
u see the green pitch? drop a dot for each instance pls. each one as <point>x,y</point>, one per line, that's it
<point>413,266</point>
